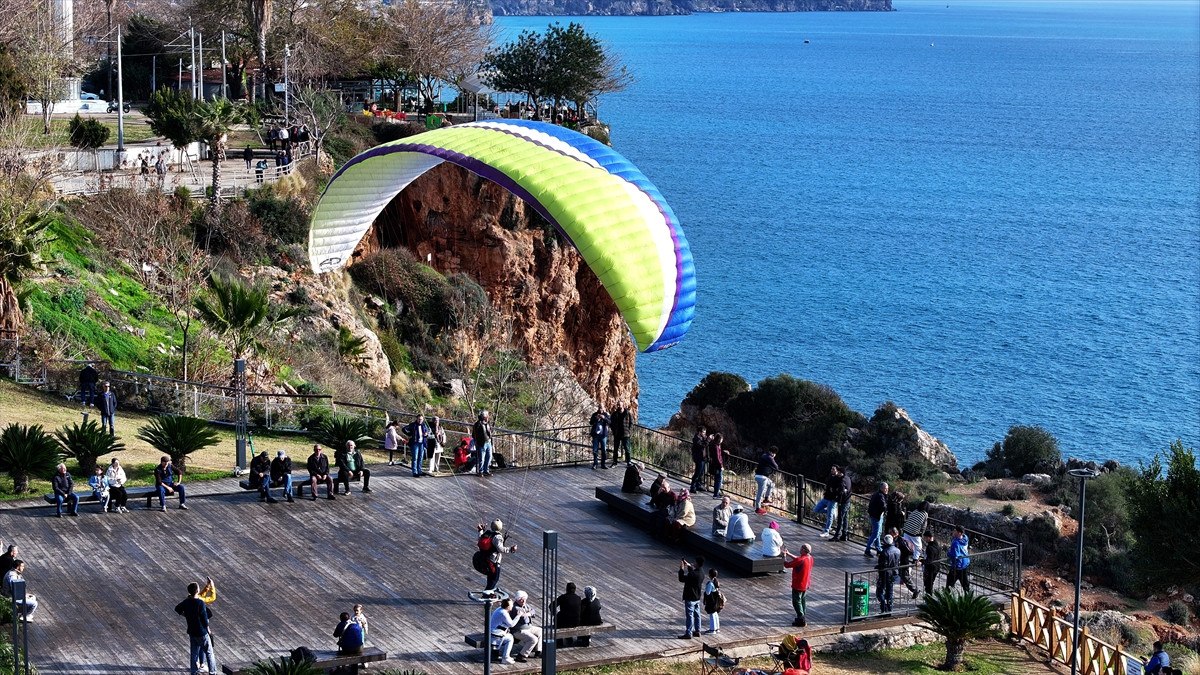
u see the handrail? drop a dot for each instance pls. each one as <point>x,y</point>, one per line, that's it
<point>1040,626</point>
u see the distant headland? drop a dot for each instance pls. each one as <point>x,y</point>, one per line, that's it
<point>675,7</point>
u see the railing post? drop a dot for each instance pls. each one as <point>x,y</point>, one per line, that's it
<point>801,499</point>
<point>1052,638</point>
<point>846,602</point>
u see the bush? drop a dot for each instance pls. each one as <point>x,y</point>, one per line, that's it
<point>87,134</point>
<point>334,431</point>
<point>283,219</point>
<point>1025,449</point>
<point>421,292</point>
<point>1009,510</point>
<point>87,442</point>
<point>716,389</point>
<point>1177,613</point>
<point>1164,510</point>
<point>1006,492</point>
<point>385,132</point>
<point>178,436</point>
<point>26,452</point>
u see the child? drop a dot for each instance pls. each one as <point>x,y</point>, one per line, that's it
<point>714,601</point>
<point>99,485</point>
<point>361,619</point>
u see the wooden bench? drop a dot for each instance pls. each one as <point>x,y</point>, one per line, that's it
<point>476,639</point>
<point>326,661</point>
<point>743,558</point>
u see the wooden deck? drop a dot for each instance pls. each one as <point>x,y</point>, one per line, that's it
<point>108,583</point>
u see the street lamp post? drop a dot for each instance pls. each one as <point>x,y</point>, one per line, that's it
<point>120,101</point>
<point>287,100</point>
<point>1084,475</point>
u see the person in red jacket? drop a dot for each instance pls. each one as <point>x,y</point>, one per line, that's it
<point>801,567</point>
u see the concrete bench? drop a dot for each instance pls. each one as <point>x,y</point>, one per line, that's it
<point>298,486</point>
<point>476,639</point>
<point>133,493</point>
<point>326,661</point>
<point>742,558</point>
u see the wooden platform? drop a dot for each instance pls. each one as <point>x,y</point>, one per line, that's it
<point>403,552</point>
<point>745,559</point>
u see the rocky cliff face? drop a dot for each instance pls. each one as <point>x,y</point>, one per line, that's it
<point>457,222</point>
<point>670,7</point>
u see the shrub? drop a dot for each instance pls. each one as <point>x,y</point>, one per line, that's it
<point>397,276</point>
<point>958,618</point>
<point>396,352</point>
<point>1006,492</point>
<point>284,666</point>
<point>1177,613</point>
<point>716,389</point>
<point>87,134</point>
<point>87,442</point>
<point>1165,512</point>
<point>178,436</point>
<point>1025,449</point>
<point>1009,510</point>
<point>283,219</point>
<point>27,451</point>
<point>334,431</point>
<point>386,132</point>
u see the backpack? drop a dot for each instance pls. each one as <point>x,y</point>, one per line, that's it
<point>714,602</point>
<point>303,655</point>
<point>482,562</point>
<point>487,541</point>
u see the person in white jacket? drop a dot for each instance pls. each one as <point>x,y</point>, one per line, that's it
<point>772,543</point>
<point>739,527</point>
<point>117,497</point>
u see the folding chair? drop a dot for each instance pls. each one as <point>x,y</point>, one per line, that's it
<point>778,656</point>
<point>713,660</point>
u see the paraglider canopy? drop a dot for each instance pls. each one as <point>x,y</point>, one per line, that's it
<point>610,212</point>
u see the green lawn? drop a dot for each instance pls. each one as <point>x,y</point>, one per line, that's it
<point>137,129</point>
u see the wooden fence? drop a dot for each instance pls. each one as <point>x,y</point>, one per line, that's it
<point>1042,626</point>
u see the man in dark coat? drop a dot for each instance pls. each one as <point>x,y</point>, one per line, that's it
<point>107,405</point>
<point>875,512</point>
<point>64,491</point>
<point>692,578</point>
<point>281,474</point>
<point>198,614</point>
<point>318,472</point>
<point>845,492</point>
<point>622,425</point>
<point>260,476</point>
<point>88,377</point>
<point>889,567</point>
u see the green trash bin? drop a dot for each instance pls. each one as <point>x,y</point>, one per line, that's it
<point>860,599</point>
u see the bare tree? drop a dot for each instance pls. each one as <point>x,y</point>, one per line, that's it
<point>24,203</point>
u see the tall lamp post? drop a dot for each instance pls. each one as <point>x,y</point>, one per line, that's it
<point>1084,475</point>
<point>287,99</point>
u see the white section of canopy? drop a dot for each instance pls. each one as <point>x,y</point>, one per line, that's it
<point>474,84</point>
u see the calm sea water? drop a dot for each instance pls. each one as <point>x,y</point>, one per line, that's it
<point>987,212</point>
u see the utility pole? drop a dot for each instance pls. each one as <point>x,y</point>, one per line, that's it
<point>192,51</point>
<point>224,77</point>
<point>179,86</point>
<point>200,73</point>
<point>287,98</point>
<point>153,73</point>
<point>120,102</point>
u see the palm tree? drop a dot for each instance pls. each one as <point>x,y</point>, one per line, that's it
<point>351,347</point>
<point>86,442</point>
<point>285,666</point>
<point>958,618</point>
<point>27,451</point>
<point>178,436</point>
<point>333,432</point>
<point>213,120</point>
<point>240,312</point>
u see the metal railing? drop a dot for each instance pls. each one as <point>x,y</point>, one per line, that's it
<point>993,573</point>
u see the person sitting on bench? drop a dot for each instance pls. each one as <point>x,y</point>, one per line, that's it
<point>739,531</point>
<point>350,466</point>
<point>633,478</point>
<point>589,613</point>
<point>682,515</point>
<point>281,474</point>
<point>118,497</point>
<point>318,472</point>
<point>499,636</point>
<point>64,491</point>
<point>657,489</point>
<point>260,476</point>
<point>524,631</point>
<point>99,485</point>
<point>721,514</point>
<point>167,481</point>
<point>349,635</point>
<point>570,606</point>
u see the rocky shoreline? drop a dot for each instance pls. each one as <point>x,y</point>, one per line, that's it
<point>677,7</point>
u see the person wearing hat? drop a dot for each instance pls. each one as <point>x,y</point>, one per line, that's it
<point>493,538</point>
<point>889,569</point>
<point>524,631</point>
<point>260,476</point>
<point>281,473</point>
<point>589,613</point>
<point>739,531</point>
<point>772,542</point>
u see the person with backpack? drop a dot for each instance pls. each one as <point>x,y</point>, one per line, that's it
<point>907,559</point>
<point>957,560</point>
<point>349,635</point>
<point>714,601</point>
<point>490,553</point>
<point>801,567</point>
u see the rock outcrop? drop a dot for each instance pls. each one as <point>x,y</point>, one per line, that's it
<point>894,430</point>
<point>671,7</point>
<point>456,221</point>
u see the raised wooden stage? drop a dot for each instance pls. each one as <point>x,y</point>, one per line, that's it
<point>108,583</point>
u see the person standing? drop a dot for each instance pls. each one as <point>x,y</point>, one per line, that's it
<point>714,601</point>
<point>829,502</point>
<point>108,409</point>
<point>914,525</point>
<point>699,450</point>
<point>417,433</point>
<point>767,466</point>
<point>692,577</point>
<point>435,444</point>
<point>801,567</point>
<point>391,441</point>
<point>198,615</point>
<point>958,561</point>
<point>876,509</point>
<point>622,425</point>
<point>491,543</point>
<point>933,561</point>
<point>360,618</point>
<point>88,377</point>
<point>844,494</point>
<point>248,155</point>
<point>481,435</point>
<point>160,171</point>
<point>907,562</point>
<point>168,481</point>
<point>716,463</point>
<point>64,491</point>
<point>598,430</point>
<point>118,497</point>
<point>888,566</point>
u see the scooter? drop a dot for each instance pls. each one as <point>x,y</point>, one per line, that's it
<point>112,106</point>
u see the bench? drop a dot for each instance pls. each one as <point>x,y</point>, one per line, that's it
<point>326,661</point>
<point>476,639</point>
<point>299,485</point>
<point>133,493</point>
<point>742,558</point>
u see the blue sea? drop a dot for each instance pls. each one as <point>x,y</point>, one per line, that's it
<point>986,212</point>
